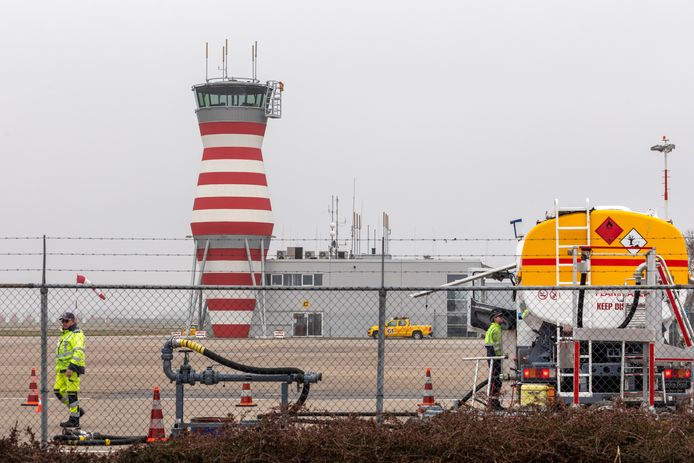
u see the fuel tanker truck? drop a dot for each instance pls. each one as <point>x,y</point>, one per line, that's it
<point>597,315</point>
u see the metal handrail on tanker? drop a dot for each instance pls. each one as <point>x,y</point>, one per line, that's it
<point>488,382</point>
<point>683,322</point>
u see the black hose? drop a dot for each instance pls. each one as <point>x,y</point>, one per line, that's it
<point>579,309</point>
<point>263,371</point>
<point>250,369</point>
<point>304,395</point>
<point>632,310</point>
<point>467,396</point>
<point>98,439</point>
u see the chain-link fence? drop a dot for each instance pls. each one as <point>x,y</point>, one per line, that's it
<point>592,344</point>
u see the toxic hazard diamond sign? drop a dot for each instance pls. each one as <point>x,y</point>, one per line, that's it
<point>633,242</point>
<point>609,230</point>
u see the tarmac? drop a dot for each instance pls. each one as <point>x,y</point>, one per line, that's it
<point>116,391</point>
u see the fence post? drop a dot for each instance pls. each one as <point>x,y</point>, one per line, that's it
<point>44,351</point>
<point>380,368</point>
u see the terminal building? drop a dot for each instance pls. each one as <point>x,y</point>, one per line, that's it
<point>311,297</point>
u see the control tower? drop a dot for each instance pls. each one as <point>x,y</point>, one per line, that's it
<point>232,217</point>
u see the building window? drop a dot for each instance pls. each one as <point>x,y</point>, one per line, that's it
<point>294,279</point>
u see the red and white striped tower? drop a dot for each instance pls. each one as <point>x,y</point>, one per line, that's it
<point>232,216</point>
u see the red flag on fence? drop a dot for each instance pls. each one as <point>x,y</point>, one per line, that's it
<point>83,280</point>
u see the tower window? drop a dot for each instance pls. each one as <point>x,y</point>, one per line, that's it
<point>231,95</point>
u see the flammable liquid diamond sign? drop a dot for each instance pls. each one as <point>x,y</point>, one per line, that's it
<point>609,230</point>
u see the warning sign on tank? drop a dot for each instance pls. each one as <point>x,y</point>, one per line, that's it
<point>609,230</point>
<point>634,242</point>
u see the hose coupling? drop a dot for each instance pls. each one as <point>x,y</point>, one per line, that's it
<point>312,377</point>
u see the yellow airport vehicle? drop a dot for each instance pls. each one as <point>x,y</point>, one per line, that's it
<point>400,327</point>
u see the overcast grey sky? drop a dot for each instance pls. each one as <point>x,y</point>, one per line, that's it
<point>454,117</point>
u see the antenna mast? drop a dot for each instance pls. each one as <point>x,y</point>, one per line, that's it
<point>354,215</point>
<point>361,214</point>
<point>333,240</point>
<point>223,62</point>
<point>254,60</point>
<point>226,51</point>
<point>207,58</point>
<point>386,232</point>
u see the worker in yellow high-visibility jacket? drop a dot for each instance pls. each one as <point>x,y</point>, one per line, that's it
<point>69,368</point>
<point>492,343</point>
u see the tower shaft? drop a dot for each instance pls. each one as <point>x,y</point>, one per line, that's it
<point>232,209</point>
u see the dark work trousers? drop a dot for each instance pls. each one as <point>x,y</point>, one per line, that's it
<point>496,372</point>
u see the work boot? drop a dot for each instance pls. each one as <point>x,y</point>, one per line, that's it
<point>71,423</point>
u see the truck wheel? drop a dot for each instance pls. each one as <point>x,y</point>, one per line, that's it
<point>374,334</point>
<point>417,335</point>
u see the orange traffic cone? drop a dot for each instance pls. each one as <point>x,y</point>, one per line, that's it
<point>246,397</point>
<point>33,399</point>
<point>39,407</point>
<point>428,398</point>
<point>156,423</point>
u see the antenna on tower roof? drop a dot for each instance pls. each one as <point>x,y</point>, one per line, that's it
<point>207,56</point>
<point>254,60</point>
<point>226,51</point>
<point>223,63</point>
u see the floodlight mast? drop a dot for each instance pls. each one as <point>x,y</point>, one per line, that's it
<point>665,147</point>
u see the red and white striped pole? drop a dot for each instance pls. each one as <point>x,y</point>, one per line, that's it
<point>665,147</point>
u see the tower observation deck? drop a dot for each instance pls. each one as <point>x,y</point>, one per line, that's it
<point>232,217</point>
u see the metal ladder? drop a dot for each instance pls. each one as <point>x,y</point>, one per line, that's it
<point>273,99</point>
<point>561,247</point>
<point>632,367</point>
<point>584,359</point>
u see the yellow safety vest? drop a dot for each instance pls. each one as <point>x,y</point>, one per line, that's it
<point>493,338</point>
<point>70,351</point>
